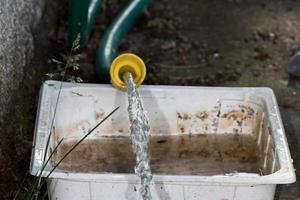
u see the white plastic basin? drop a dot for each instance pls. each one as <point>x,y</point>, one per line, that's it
<point>206,143</point>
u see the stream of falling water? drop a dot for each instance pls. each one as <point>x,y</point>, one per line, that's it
<point>139,133</point>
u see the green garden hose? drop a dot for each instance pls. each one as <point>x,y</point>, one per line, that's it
<point>82,16</point>
<point>113,36</point>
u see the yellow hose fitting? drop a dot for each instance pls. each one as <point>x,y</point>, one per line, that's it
<point>127,62</point>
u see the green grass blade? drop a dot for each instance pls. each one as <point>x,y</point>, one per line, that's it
<point>37,181</point>
<point>83,138</point>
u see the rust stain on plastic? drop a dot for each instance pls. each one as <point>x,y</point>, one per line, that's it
<point>197,122</point>
<point>99,115</point>
<point>230,120</point>
<point>245,112</point>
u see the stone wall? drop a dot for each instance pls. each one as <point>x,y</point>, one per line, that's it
<point>19,22</point>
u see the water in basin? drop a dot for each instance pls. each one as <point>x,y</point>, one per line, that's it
<point>203,154</point>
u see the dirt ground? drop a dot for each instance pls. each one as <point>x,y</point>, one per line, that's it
<point>207,42</point>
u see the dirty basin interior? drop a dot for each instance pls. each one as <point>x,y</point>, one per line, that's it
<point>193,132</point>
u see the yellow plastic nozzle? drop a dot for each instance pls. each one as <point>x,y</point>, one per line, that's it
<point>127,62</point>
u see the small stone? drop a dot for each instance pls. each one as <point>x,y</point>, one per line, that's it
<point>168,45</point>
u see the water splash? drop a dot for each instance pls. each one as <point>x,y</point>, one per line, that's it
<point>139,133</point>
